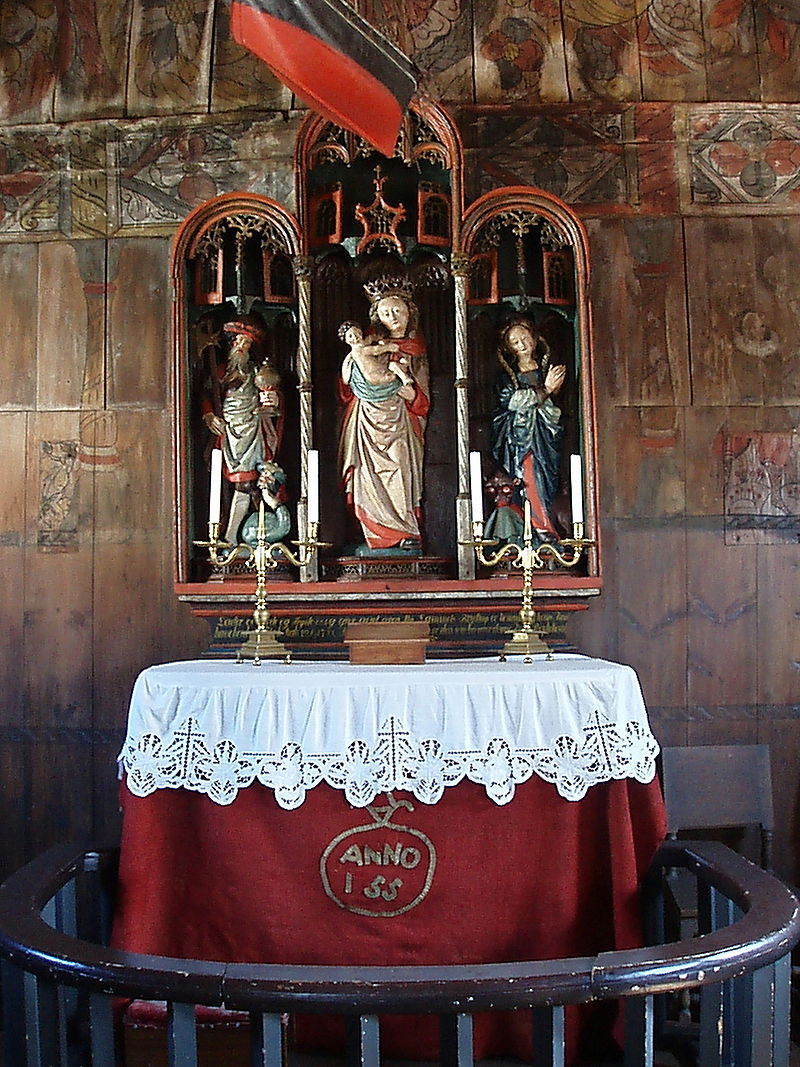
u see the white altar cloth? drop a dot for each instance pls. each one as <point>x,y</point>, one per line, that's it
<point>217,727</point>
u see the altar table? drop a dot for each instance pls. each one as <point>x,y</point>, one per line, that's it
<point>460,812</point>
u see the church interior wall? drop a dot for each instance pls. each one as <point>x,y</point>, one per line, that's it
<point>676,138</point>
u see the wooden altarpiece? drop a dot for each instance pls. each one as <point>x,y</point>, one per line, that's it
<point>361,217</point>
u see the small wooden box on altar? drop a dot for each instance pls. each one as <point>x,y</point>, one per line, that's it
<point>387,642</point>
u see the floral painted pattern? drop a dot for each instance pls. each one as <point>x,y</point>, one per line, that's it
<point>770,22</point>
<point>741,157</point>
<point>515,50</point>
<point>170,56</point>
<point>34,46</point>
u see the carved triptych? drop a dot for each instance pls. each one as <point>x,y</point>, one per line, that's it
<point>312,293</point>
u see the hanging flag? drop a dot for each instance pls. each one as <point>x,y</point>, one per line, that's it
<point>333,60</point>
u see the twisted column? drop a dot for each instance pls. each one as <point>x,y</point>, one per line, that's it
<point>460,266</point>
<point>304,269</point>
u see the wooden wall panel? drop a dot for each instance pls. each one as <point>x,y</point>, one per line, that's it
<point>724,726</point>
<point>18,267</point>
<point>57,643</point>
<point>602,53</point>
<point>777,329</point>
<point>241,80</point>
<point>134,548</point>
<point>88,58</point>
<point>12,499</point>
<point>656,350</point>
<point>652,611</point>
<point>32,46</point>
<point>57,596</point>
<point>444,44</point>
<point>169,65</point>
<point>639,264</point>
<point>611,291</point>
<point>718,284</point>
<point>93,82</point>
<point>672,53</point>
<point>779,59</point>
<point>657,189</point>
<point>722,621</point>
<point>778,647</point>
<point>742,322</point>
<point>732,71</point>
<point>670,725</point>
<point>519,55</point>
<point>139,324</point>
<point>62,329</point>
<point>782,734</point>
<point>594,632</point>
<point>60,804</point>
<point>705,427</point>
<point>641,462</point>
<point>13,433</point>
<point>14,809</point>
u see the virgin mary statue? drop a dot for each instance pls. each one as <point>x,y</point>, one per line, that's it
<point>385,389</point>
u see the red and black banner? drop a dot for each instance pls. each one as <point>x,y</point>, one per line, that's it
<point>333,60</point>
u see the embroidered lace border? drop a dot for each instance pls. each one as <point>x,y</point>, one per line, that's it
<point>186,734</point>
<point>396,760</point>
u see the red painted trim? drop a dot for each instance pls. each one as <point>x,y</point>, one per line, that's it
<point>504,586</point>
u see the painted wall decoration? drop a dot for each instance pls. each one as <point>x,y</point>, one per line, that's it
<point>58,471</point>
<point>151,57</point>
<point>32,164</point>
<point>742,157</point>
<point>762,488</point>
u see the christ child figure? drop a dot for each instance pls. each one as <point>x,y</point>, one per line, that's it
<point>373,360</point>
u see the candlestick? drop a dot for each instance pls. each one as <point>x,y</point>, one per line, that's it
<point>215,492</point>
<point>476,486</point>
<point>263,642</point>
<point>568,552</point>
<point>312,476</point>
<point>576,487</point>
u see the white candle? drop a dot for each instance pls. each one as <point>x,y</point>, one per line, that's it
<point>526,529</point>
<point>214,500</point>
<point>576,488</point>
<point>476,486</point>
<point>312,482</point>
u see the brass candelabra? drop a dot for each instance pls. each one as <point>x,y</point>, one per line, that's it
<point>526,640</point>
<point>263,642</point>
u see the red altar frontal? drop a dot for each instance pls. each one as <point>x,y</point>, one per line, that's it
<point>419,827</point>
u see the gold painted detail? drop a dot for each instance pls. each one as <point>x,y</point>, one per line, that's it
<point>243,226</point>
<point>380,219</point>
<point>379,869</point>
<point>520,222</point>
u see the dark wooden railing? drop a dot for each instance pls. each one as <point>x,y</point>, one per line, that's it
<point>60,982</point>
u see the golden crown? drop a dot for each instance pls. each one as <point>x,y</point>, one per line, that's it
<point>388,285</point>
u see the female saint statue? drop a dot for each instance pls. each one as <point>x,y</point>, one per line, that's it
<point>384,386</point>
<point>527,434</point>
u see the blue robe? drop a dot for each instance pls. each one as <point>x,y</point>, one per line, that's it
<point>525,425</point>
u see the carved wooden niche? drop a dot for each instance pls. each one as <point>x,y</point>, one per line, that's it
<point>363,219</point>
<point>233,263</point>
<point>398,218</point>
<point>527,263</point>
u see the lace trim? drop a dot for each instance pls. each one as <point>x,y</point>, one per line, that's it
<point>188,759</point>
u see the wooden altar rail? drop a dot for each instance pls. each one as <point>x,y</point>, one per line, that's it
<point>59,982</point>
